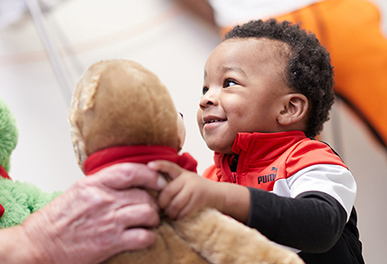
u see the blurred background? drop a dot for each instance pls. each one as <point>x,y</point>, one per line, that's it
<point>44,50</point>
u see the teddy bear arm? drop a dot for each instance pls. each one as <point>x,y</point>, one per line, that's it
<point>221,239</point>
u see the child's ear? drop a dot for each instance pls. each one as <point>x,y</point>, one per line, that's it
<point>294,109</point>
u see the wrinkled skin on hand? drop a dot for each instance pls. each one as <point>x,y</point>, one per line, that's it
<point>105,216</point>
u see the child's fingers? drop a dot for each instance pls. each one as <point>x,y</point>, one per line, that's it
<point>172,169</point>
<point>188,208</point>
<point>168,193</point>
<point>177,205</point>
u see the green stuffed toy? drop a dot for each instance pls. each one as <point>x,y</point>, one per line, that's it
<point>17,199</point>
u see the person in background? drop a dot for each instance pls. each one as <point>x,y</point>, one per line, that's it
<point>349,29</point>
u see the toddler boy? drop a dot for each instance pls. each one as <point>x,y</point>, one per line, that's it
<point>267,92</point>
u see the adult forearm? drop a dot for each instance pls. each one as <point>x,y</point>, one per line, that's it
<point>15,247</point>
<point>98,217</point>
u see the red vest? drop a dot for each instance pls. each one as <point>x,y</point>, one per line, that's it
<point>266,158</point>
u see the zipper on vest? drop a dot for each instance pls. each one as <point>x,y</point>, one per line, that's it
<point>234,177</point>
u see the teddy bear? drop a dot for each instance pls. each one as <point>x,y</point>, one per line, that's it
<point>121,112</point>
<point>17,199</point>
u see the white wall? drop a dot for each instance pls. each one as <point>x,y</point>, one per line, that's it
<point>174,45</point>
<point>157,34</point>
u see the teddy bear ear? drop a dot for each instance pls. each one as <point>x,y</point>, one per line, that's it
<point>8,134</point>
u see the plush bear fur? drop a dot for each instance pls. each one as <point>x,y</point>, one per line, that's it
<point>119,102</point>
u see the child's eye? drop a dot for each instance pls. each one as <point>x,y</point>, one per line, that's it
<point>229,82</point>
<point>205,90</point>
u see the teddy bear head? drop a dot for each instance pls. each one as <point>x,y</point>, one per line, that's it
<point>119,102</point>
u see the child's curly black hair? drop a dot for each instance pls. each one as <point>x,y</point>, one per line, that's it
<point>309,70</point>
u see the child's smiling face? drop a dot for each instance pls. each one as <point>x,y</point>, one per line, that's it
<point>244,84</point>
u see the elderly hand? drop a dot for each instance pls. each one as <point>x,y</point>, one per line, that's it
<point>98,217</point>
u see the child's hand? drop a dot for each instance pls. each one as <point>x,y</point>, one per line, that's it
<point>186,192</point>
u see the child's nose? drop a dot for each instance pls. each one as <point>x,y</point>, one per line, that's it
<point>209,98</point>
